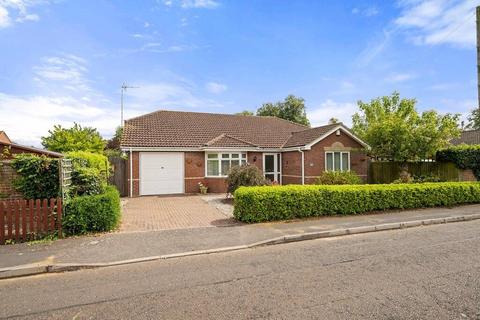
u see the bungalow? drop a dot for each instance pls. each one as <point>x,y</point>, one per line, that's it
<point>8,148</point>
<point>170,152</point>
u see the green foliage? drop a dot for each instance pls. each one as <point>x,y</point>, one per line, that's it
<point>333,120</point>
<point>424,178</point>
<point>245,113</point>
<point>90,173</point>
<point>292,109</point>
<point>463,156</point>
<point>92,213</point>
<point>114,142</point>
<point>246,175</point>
<point>257,204</point>
<point>338,177</point>
<point>389,171</point>
<point>395,131</point>
<point>76,138</point>
<point>38,176</point>
<point>474,119</point>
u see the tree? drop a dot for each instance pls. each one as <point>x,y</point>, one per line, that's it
<point>333,120</point>
<point>292,109</point>
<point>245,113</point>
<point>474,119</point>
<point>76,138</point>
<point>396,131</point>
<point>114,143</point>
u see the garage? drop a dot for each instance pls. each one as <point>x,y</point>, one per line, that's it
<point>161,173</point>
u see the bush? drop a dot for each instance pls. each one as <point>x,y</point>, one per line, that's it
<point>86,181</point>
<point>463,156</point>
<point>338,177</point>
<point>257,204</point>
<point>423,178</point>
<point>96,161</point>
<point>38,176</point>
<point>246,175</point>
<point>92,213</point>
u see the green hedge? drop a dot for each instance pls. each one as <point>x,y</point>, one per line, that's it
<point>92,213</point>
<point>257,204</point>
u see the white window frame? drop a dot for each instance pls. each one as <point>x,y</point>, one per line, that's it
<point>219,159</point>
<point>341,160</point>
<point>276,166</point>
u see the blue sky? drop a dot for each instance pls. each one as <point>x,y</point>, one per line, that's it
<point>64,61</point>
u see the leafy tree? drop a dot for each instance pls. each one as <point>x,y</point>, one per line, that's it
<point>396,131</point>
<point>292,109</point>
<point>114,143</point>
<point>474,119</point>
<point>76,138</point>
<point>333,120</point>
<point>245,113</point>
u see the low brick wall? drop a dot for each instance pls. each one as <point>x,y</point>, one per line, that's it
<point>7,176</point>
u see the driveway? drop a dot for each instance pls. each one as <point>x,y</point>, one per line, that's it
<point>170,212</point>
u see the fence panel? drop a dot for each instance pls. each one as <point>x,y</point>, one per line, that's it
<point>389,171</point>
<point>118,178</point>
<point>21,220</point>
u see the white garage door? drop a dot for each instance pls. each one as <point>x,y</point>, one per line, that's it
<point>161,173</point>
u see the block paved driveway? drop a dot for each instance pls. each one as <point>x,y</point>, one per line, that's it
<point>170,212</point>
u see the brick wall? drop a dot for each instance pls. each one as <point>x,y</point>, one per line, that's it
<point>467,175</point>
<point>7,175</point>
<point>136,174</point>
<point>291,167</point>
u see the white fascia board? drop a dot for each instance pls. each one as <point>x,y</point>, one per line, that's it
<point>339,127</point>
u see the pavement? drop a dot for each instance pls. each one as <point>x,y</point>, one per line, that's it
<point>416,273</point>
<point>118,248</point>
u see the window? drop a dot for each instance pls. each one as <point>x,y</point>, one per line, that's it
<point>218,164</point>
<point>337,161</point>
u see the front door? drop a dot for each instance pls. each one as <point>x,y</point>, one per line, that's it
<point>271,166</point>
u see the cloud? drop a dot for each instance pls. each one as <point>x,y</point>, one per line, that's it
<point>376,47</point>
<point>18,11</point>
<point>26,119</point>
<point>189,4</point>
<point>399,77</point>
<point>432,22</point>
<point>367,12</point>
<point>328,109</point>
<point>68,70</point>
<point>215,87</point>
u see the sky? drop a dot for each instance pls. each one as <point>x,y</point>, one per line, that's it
<point>64,61</point>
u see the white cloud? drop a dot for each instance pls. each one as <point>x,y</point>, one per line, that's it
<point>434,22</point>
<point>215,87</point>
<point>367,12</point>
<point>68,70</point>
<point>375,47</point>
<point>26,119</point>
<point>18,11</point>
<point>400,77</point>
<point>341,110</point>
<point>188,4</point>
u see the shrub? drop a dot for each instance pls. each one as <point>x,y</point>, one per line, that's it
<point>96,161</point>
<point>86,181</point>
<point>38,176</point>
<point>256,204</point>
<point>92,213</point>
<point>338,177</point>
<point>463,156</point>
<point>246,175</point>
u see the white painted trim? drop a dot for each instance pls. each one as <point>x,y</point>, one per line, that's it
<point>220,161</point>
<point>278,171</point>
<point>303,165</point>
<point>131,173</point>
<point>339,127</point>
<point>341,159</point>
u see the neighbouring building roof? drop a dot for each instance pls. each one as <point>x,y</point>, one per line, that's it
<point>467,137</point>
<point>18,148</point>
<point>4,139</point>
<point>176,129</point>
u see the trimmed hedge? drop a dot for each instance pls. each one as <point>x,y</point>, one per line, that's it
<point>257,204</point>
<point>92,213</point>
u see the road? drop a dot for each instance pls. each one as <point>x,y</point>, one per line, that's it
<point>420,273</point>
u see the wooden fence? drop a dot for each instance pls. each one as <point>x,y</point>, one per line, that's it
<point>26,220</point>
<point>389,171</point>
<point>118,176</point>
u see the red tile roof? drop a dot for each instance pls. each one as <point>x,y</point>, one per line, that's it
<point>194,129</point>
<point>307,136</point>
